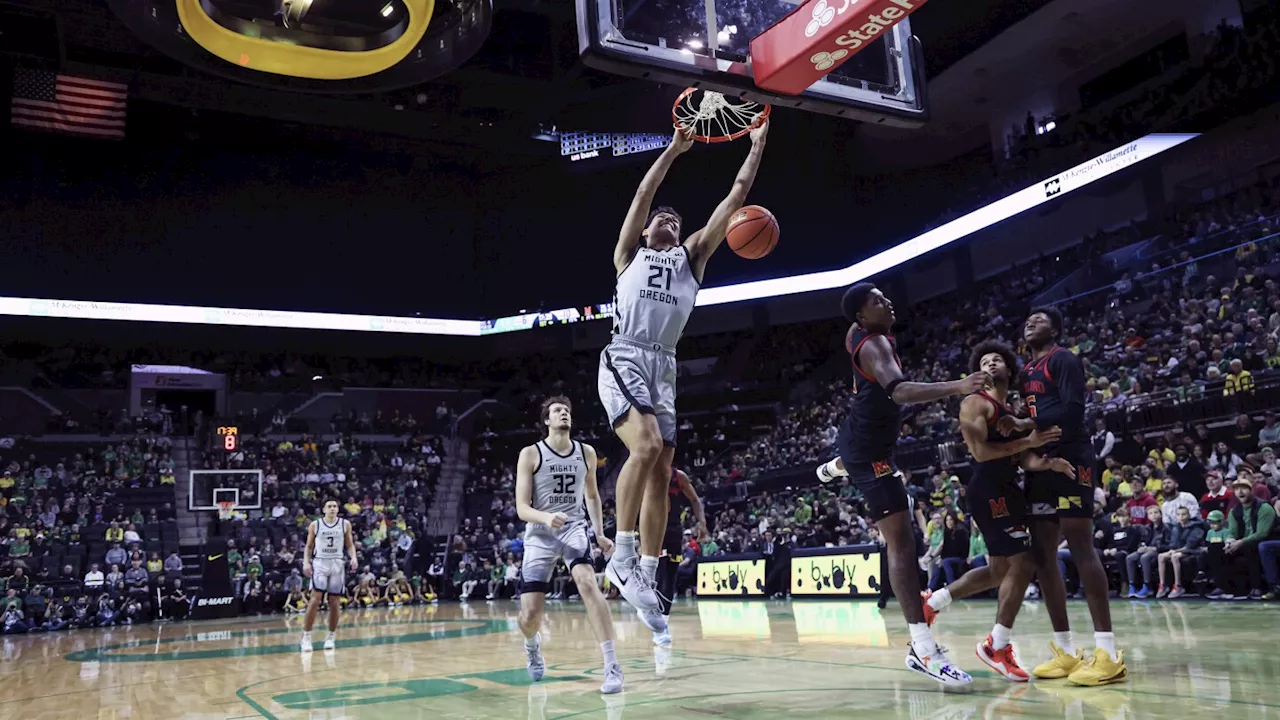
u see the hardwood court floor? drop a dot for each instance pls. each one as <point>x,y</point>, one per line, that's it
<point>731,659</point>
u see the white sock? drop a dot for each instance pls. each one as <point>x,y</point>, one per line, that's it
<point>1000,637</point>
<point>333,634</point>
<point>940,600</point>
<point>922,639</point>
<point>1106,641</point>
<point>649,566</point>
<point>610,658</point>
<point>625,544</point>
<point>1064,641</point>
<point>532,642</point>
<point>833,469</point>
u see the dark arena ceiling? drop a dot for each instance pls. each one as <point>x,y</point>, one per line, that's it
<point>421,188</point>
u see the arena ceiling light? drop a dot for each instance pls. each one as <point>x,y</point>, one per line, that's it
<point>1042,192</point>
<point>294,49</point>
<point>328,46</point>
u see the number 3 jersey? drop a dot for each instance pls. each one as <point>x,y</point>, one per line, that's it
<point>654,296</point>
<point>558,488</point>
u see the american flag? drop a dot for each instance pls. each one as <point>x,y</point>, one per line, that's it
<point>65,103</point>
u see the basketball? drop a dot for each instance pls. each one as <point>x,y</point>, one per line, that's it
<point>753,232</point>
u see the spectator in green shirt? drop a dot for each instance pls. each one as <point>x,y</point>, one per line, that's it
<point>803,514</point>
<point>977,549</point>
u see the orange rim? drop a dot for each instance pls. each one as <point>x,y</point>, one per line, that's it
<point>716,118</point>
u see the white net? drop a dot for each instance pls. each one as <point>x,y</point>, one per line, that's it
<point>226,510</point>
<point>715,118</point>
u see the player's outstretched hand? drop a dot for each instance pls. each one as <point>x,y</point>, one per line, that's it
<point>682,140</point>
<point>558,520</point>
<point>760,131</point>
<point>606,545</point>
<point>1065,467</point>
<point>306,569</point>
<point>1046,436</point>
<point>974,382</point>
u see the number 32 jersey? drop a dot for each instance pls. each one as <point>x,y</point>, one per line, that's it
<point>655,296</point>
<point>558,487</point>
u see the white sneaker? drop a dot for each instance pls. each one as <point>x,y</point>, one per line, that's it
<point>330,642</point>
<point>937,667</point>
<point>654,620</point>
<point>662,639</point>
<point>533,659</point>
<point>825,473</point>
<point>662,660</point>
<point>635,587</point>
<point>306,643</point>
<point>612,680</point>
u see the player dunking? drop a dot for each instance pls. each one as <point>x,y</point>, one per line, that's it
<point>997,505</point>
<point>866,441</point>
<point>658,279</point>
<point>1062,506</point>
<point>327,537</point>
<point>552,478</point>
<point>679,493</point>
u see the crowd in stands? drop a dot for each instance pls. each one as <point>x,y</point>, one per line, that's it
<point>77,551</point>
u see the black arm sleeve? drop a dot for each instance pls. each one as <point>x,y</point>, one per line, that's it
<point>1068,373</point>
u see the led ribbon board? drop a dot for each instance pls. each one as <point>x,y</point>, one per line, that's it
<point>278,58</point>
<point>1049,189</point>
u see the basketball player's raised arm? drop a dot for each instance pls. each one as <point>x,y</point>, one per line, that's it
<point>695,502</point>
<point>876,359</point>
<point>703,243</point>
<point>629,238</point>
<point>526,466</point>
<point>975,416</point>
<point>309,549</point>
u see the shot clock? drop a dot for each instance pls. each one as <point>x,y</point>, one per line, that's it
<point>229,435</point>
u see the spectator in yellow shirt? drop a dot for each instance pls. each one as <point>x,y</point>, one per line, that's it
<point>1162,454</point>
<point>115,533</point>
<point>1238,379</point>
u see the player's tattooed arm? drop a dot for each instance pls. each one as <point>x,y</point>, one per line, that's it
<point>876,359</point>
<point>630,237</point>
<point>703,243</point>
<point>975,414</point>
<point>526,466</point>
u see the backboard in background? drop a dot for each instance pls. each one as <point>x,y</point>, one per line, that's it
<point>706,44</point>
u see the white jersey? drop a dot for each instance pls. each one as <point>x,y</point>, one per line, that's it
<point>654,296</point>
<point>558,486</point>
<point>331,540</point>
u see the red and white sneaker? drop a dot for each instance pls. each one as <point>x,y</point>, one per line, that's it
<point>929,613</point>
<point>1002,661</point>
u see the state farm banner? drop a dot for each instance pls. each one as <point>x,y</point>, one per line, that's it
<point>820,36</point>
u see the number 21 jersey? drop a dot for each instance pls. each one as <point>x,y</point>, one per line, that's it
<point>655,296</point>
<point>557,486</point>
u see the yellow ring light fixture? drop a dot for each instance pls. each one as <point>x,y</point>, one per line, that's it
<point>270,56</point>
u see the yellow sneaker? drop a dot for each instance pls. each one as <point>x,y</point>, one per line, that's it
<point>1100,670</point>
<point>1061,666</point>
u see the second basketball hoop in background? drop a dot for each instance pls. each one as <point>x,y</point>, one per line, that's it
<point>753,232</point>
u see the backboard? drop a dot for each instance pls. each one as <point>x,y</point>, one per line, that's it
<point>706,44</point>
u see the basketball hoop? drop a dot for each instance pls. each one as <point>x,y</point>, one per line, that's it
<point>226,510</point>
<point>714,118</point>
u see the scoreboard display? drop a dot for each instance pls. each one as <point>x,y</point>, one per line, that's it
<point>229,437</point>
